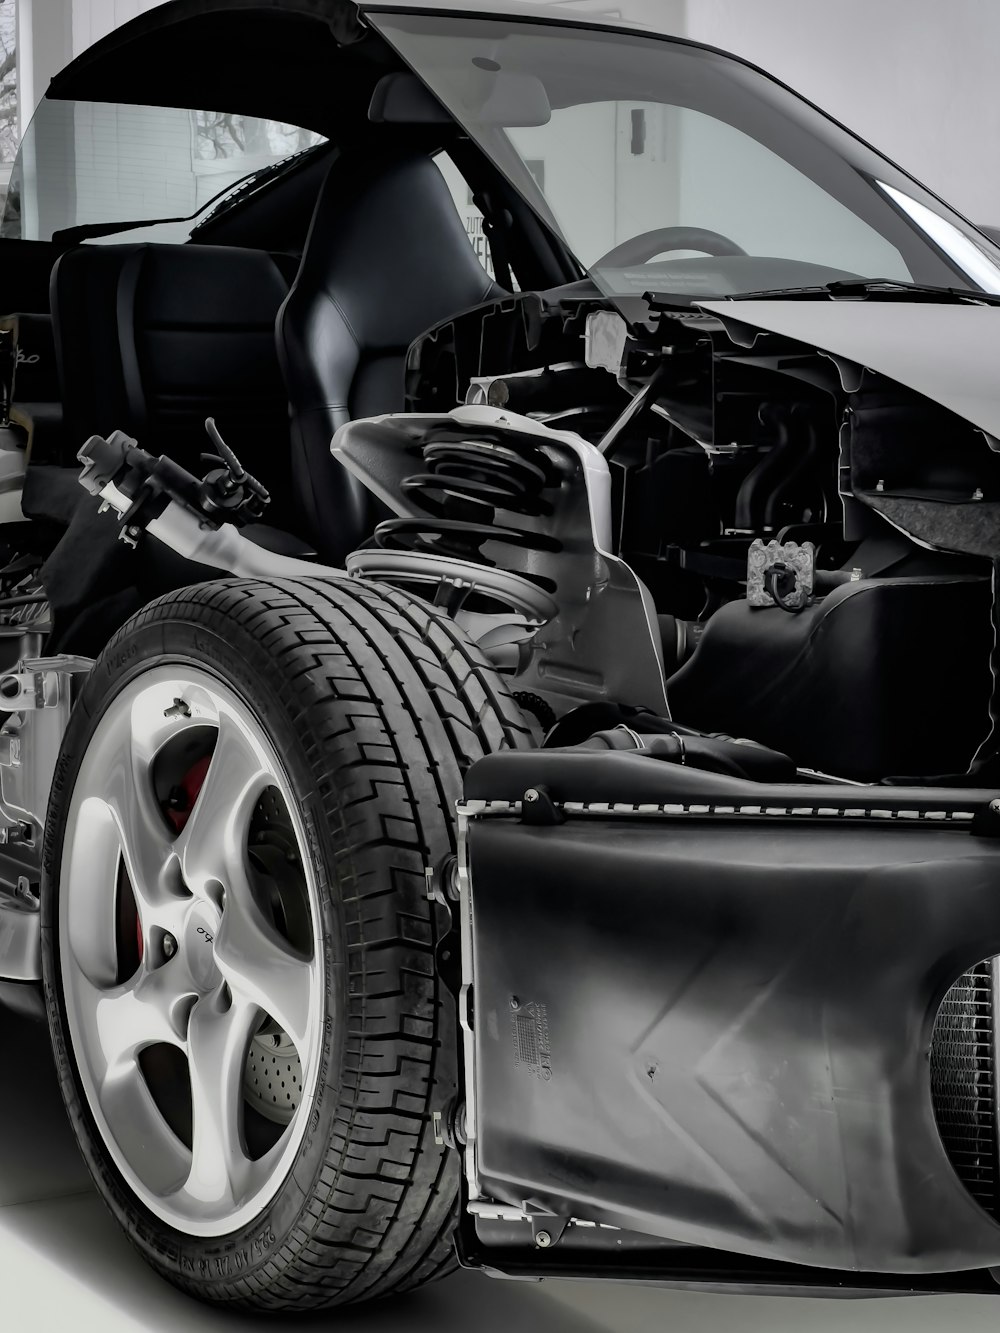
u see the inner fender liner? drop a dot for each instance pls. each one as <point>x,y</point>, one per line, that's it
<point>710,1020</point>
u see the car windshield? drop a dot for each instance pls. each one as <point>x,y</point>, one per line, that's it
<point>106,167</point>
<point>668,167</point>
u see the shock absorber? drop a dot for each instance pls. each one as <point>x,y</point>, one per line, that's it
<point>454,541</point>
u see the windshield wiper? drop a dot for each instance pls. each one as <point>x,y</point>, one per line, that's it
<point>226,197</point>
<point>871,288</point>
<point>238,191</point>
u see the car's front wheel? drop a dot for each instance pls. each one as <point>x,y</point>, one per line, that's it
<point>240,955</point>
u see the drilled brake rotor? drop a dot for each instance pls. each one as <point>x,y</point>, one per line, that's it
<point>272,1083</point>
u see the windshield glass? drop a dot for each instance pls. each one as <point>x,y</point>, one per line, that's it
<point>88,163</point>
<point>671,168</point>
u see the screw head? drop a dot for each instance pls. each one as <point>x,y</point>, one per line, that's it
<point>169,946</point>
<point>531,795</point>
<point>543,1240</point>
<point>995,807</point>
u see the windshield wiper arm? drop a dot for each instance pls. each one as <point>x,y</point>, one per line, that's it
<point>865,288</point>
<point>239,190</point>
<point>91,230</point>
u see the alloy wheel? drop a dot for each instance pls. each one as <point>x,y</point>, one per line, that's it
<point>190,950</point>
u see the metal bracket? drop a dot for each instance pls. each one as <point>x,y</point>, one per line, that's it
<point>449,1125</point>
<point>768,565</point>
<point>37,683</point>
<point>496,1212</point>
<point>547,1230</point>
<point>441,882</point>
<point>538,807</point>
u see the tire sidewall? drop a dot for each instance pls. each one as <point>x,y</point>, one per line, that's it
<point>242,665</point>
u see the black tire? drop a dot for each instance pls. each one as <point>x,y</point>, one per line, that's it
<point>377,704</point>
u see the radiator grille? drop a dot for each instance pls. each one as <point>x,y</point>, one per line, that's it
<point>963,1083</point>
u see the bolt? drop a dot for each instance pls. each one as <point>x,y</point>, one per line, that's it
<point>531,795</point>
<point>169,946</point>
<point>543,1240</point>
<point>515,1003</point>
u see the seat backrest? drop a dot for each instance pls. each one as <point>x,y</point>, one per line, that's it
<point>84,301</point>
<point>386,258</point>
<point>153,339</point>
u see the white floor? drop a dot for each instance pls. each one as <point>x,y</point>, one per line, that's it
<point>65,1268</point>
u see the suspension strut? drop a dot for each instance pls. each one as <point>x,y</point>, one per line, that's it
<point>470,475</point>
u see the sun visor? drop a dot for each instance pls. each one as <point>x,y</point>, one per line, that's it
<point>492,97</point>
<point>514,101</point>
<point>401,99</point>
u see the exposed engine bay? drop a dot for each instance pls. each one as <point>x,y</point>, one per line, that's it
<point>764,541</point>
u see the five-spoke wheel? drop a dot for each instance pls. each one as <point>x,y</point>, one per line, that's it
<point>189,950</point>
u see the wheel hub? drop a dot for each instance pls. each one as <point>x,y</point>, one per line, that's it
<point>197,946</point>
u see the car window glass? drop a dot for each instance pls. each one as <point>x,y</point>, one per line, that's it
<point>649,166</point>
<point>617,140</point>
<point>86,163</point>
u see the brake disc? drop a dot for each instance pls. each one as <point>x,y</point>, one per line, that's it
<point>272,1084</point>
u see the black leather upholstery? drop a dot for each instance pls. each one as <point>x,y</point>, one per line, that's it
<point>84,296</point>
<point>882,678</point>
<point>387,257</point>
<point>193,327</point>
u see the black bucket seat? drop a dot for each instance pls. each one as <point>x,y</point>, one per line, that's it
<point>387,257</point>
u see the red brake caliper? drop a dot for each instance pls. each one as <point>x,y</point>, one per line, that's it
<point>178,811</point>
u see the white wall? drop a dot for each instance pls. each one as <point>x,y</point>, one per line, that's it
<point>915,77</point>
<point>94,19</point>
<point>52,32</point>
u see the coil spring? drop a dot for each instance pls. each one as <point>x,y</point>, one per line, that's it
<point>467,480</point>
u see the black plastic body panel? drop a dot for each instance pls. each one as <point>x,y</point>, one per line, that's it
<point>714,1027</point>
<point>496,1248</point>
